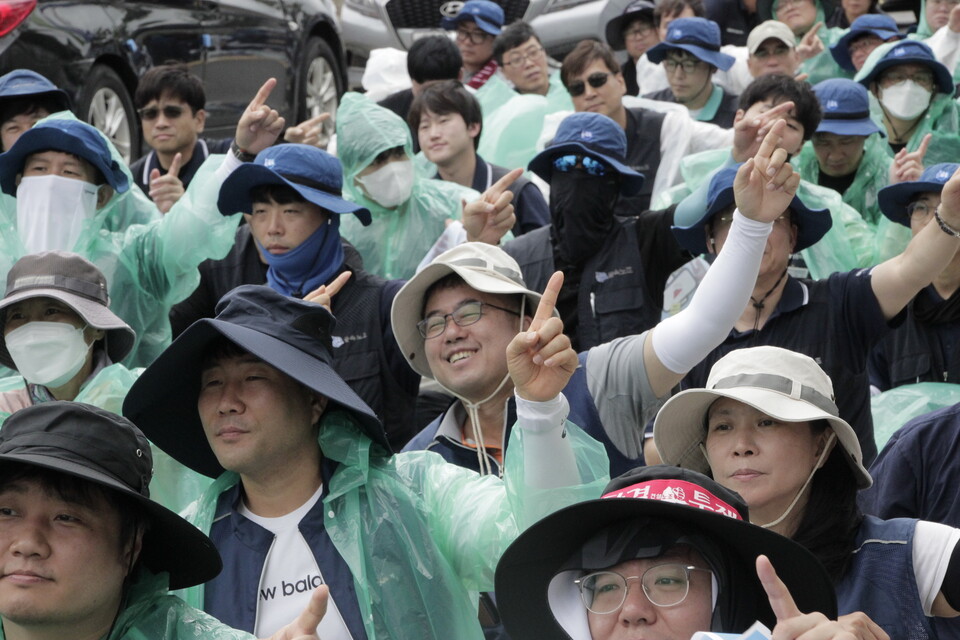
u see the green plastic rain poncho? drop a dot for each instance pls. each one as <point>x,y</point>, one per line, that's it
<point>873,174</point>
<point>151,613</point>
<point>847,246</point>
<point>944,42</point>
<point>895,407</point>
<point>942,118</point>
<point>397,239</point>
<point>150,267</point>
<point>513,122</point>
<point>450,524</point>
<point>173,485</point>
<point>822,66</point>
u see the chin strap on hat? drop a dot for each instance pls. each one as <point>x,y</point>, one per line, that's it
<point>823,454</point>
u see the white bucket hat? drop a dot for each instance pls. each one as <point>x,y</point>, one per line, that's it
<point>482,266</point>
<point>783,384</point>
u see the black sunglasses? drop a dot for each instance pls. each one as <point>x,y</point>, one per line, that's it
<point>596,81</point>
<point>170,112</point>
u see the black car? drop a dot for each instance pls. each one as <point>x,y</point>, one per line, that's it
<point>95,51</point>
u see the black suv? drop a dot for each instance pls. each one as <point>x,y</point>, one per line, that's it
<point>95,51</point>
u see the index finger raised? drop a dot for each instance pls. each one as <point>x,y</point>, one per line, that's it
<point>813,31</point>
<point>922,149</point>
<point>548,302</point>
<point>781,602</point>
<point>174,169</point>
<point>263,93</point>
<point>770,141</point>
<point>334,287</point>
<point>777,111</point>
<point>497,188</point>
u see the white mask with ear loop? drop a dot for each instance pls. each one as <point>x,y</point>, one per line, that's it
<point>390,185</point>
<point>48,353</point>
<point>51,211</point>
<point>905,100</point>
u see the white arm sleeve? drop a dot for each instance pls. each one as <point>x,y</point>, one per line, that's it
<point>933,545</point>
<point>544,426</point>
<point>686,338</point>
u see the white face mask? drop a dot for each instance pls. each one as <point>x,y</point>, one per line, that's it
<point>47,353</point>
<point>51,211</point>
<point>390,185</point>
<point>905,100</point>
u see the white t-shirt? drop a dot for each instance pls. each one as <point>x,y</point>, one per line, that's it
<point>290,574</point>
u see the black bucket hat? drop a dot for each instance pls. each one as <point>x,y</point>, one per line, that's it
<point>77,283</point>
<point>101,447</point>
<point>679,499</point>
<point>290,335</point>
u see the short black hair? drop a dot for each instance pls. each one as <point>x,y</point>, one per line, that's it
<point>434,58</point>
<point>780,88</point>
<point>583,55</point>
<point>672,8</point>
<point>512,36</point>
<point>449,96</point>
<point>174,80</point>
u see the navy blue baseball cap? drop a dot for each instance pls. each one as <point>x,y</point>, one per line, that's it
<point>66,135</point>
<point>595,135</point>
<point>893,199</point>
<point>313,173</point>
<point>487,15</point>
<point>880,25</point>
<point>699,37</point>
<point>23,82</point>
<point>634,10</point>
<point>906,52</point>
<point>812,224</point>
<point>846,108</point>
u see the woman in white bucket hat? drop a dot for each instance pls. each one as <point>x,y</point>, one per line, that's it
<point>766,426</point>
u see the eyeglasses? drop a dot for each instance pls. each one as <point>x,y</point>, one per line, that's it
<point>866,41</point>
<point>920,211</point>
<point>591,166</point>
<point>688,66</point>
<point>665,585</point>
<point>475,37</point>
<point>638,32</point>
<point>170,112</point>
<point>465,315</point>
<point>521,58</point>
<point>596,80</point>
<point>923,78</point>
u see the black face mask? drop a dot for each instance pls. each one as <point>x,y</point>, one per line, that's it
<point>581,210</point>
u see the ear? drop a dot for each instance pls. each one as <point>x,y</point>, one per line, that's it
<point>739,116</point>
<point>527,320</point>
<point>94,334</point>
<point>825,443</point>
<point>200,117</point>
<point>318,404</point>
<point>473,130</point>
<point>104,193</point>
<point>794,232</point>
<point>131,551</point>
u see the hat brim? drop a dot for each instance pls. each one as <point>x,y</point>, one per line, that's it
<point>614,28</point>
<point>119,336</point>
<point>542,164</point>
<point>485,25</point>
<point>862,127</point>
<point>52,137</point>
<point>721,61</point>
<point>680,425</point>
<point>170,543</point>
<point>528,565</point>
<point>408,306</point>
<point>235,193</point>
<point>812,224</point>
<point>893,199</point>
<point>163,400</point>
<point>942,74</point>
<point>841,49</point>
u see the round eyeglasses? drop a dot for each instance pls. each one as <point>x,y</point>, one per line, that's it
<point>665,585</point>
<point>465,315</point>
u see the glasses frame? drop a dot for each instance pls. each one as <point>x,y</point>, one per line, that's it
<point>921,217</point>
<point>590,166</point>
<point>687,568</point>
<point>929,81</point>
<point>170,112</point>
<point>688,66</point>
<point>475,37</point>
<point>596,80</point>
<point>423,325</point>
<point>522,57</point>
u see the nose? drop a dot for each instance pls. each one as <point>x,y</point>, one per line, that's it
<point>637,608</point>
<point>744,443</point>
<point>275,224</point>
<point>29,541</point>
<point>230,401</point>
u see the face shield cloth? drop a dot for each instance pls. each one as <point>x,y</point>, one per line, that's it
<point>47,353</point>
<point>51,211</point>
<point>905,100</point>
<point>390,185</point>
<point>581,208</point>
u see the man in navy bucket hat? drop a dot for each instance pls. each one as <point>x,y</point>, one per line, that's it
<point>921,349</point>
<point>836,321</point>
<point>691,55</point>
<point>477,24</point>
<point>312,494</point>
<point>865,34</point>
<point>615,267</point>
<point>291,199</point>
<point>26,97</point>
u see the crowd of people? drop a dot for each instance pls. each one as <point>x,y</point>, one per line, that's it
<point>385,379</point>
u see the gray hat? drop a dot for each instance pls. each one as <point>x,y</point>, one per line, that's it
<point>74,281</point>
<point>783,384</point>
